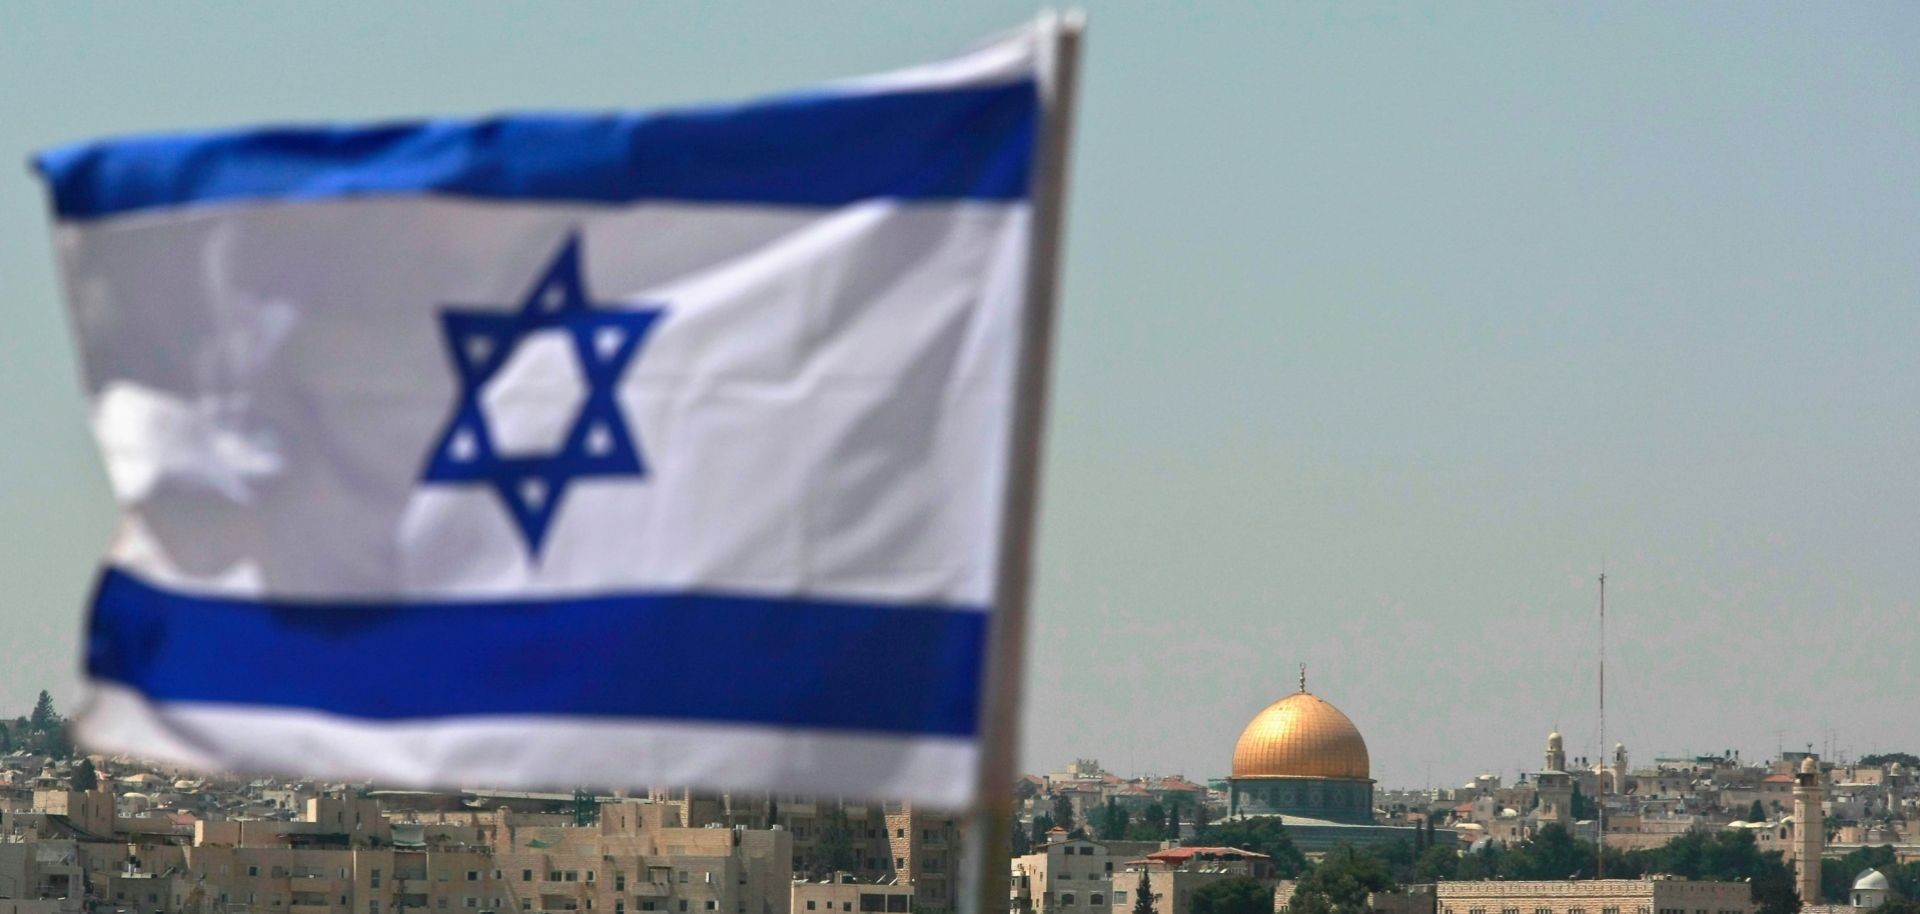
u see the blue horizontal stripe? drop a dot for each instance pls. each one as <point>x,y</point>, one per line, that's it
<point>811,150</point>
<point>686,657</point>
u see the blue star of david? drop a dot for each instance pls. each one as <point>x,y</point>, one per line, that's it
<point>481,341</point>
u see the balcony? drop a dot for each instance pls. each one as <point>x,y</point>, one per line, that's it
<point>318,884</point>
<point>310,909</point>
<point>649,889</point>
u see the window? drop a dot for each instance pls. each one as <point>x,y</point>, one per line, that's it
<point>373,907</point>
<point>646,906</point>
<point>1086,852</point>
<point>810,904</point>
<point>473,875</point>
<point>255,871</point>
<point>619,882</point>
<point>683,880</point>
<point>1609,911</point>
<point>1064,876</point>
<point>441,902</point>
<point>526,875</point>
<point>496,875</point>
<point>376,881</point>
<point>1120,896</point>
<point>1097,900</point>
<point>899,832</point>
<point>619,907</point>
<point>713,905</point>
<point>1066,899</point>
<point>683,904</point>
<point>589,875</point>
<point>526,904</point>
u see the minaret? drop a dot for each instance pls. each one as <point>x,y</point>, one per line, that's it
<point>1810,830</point>
<point>1620,768</point>
<point>1554,786</point>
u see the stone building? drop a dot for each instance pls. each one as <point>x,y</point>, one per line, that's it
<point>1172,876</point>
<point>1064,876</point>
<point>1656,895</point>
<point>843,893</point>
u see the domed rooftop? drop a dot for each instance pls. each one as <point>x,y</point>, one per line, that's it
<point>1871,880</point>
<point>1301,736</point>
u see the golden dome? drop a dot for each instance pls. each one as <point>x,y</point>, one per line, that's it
<point>1301,736</point>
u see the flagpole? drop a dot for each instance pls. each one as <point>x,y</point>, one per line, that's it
<point>988,840</point>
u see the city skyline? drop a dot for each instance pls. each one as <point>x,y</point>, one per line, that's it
<point>1383,330</point>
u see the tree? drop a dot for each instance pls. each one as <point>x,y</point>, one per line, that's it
<point>1265,835</point>
<point>1435,864</point>
<point>1907,759</point>
<point>43,714</point>
<point>1143,898</point>
<point>1155,819</point>
<point>1173,820</point>
<point>1756,812</point>
<point>1233,895</point>
<point>1062,812</point>
<point>84,777</point>
<point>1580,807</point>
<point>1199,817</point>
<point>6,738</point>
<point>1037,834</point>
<point>56,742</point>
<point>1112,824</point>
<point>835,849</point>
<point>1341,883</point>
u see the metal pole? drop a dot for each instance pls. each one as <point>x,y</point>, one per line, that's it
<point>988,840</point>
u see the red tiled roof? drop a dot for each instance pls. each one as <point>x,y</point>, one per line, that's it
<point>1777,779</point>
<point>1184,854</point>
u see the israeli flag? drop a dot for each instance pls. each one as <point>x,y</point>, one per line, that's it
<point>614,449</point>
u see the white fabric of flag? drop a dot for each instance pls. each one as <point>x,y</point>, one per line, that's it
<point>614,450</point>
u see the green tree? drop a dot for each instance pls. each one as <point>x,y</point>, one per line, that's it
<point>1112,822</point>
<point>1037,833</point>
<point>1155,818</point>
<point>1233,895</point>
<point>1887,758</point>
<point>1756,812</point>
<point>56,742</point>
<point>1263,834</point>
<point>1143,897</point>
<point>1199,817</point>
<point>1173,820</point>
<point>1435,864</point>
<point>835,848</point>
<point>1581,807</point>
<point>1341,883</point>
<point>84,777</point>
<point>1062,812</point>
<point>43,713</point>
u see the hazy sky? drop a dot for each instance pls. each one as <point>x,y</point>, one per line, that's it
<point>1383,327</point>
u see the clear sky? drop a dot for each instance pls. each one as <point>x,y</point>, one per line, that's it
<point>1384,326</point>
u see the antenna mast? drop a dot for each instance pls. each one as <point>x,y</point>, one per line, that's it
<point>1600,809</point>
